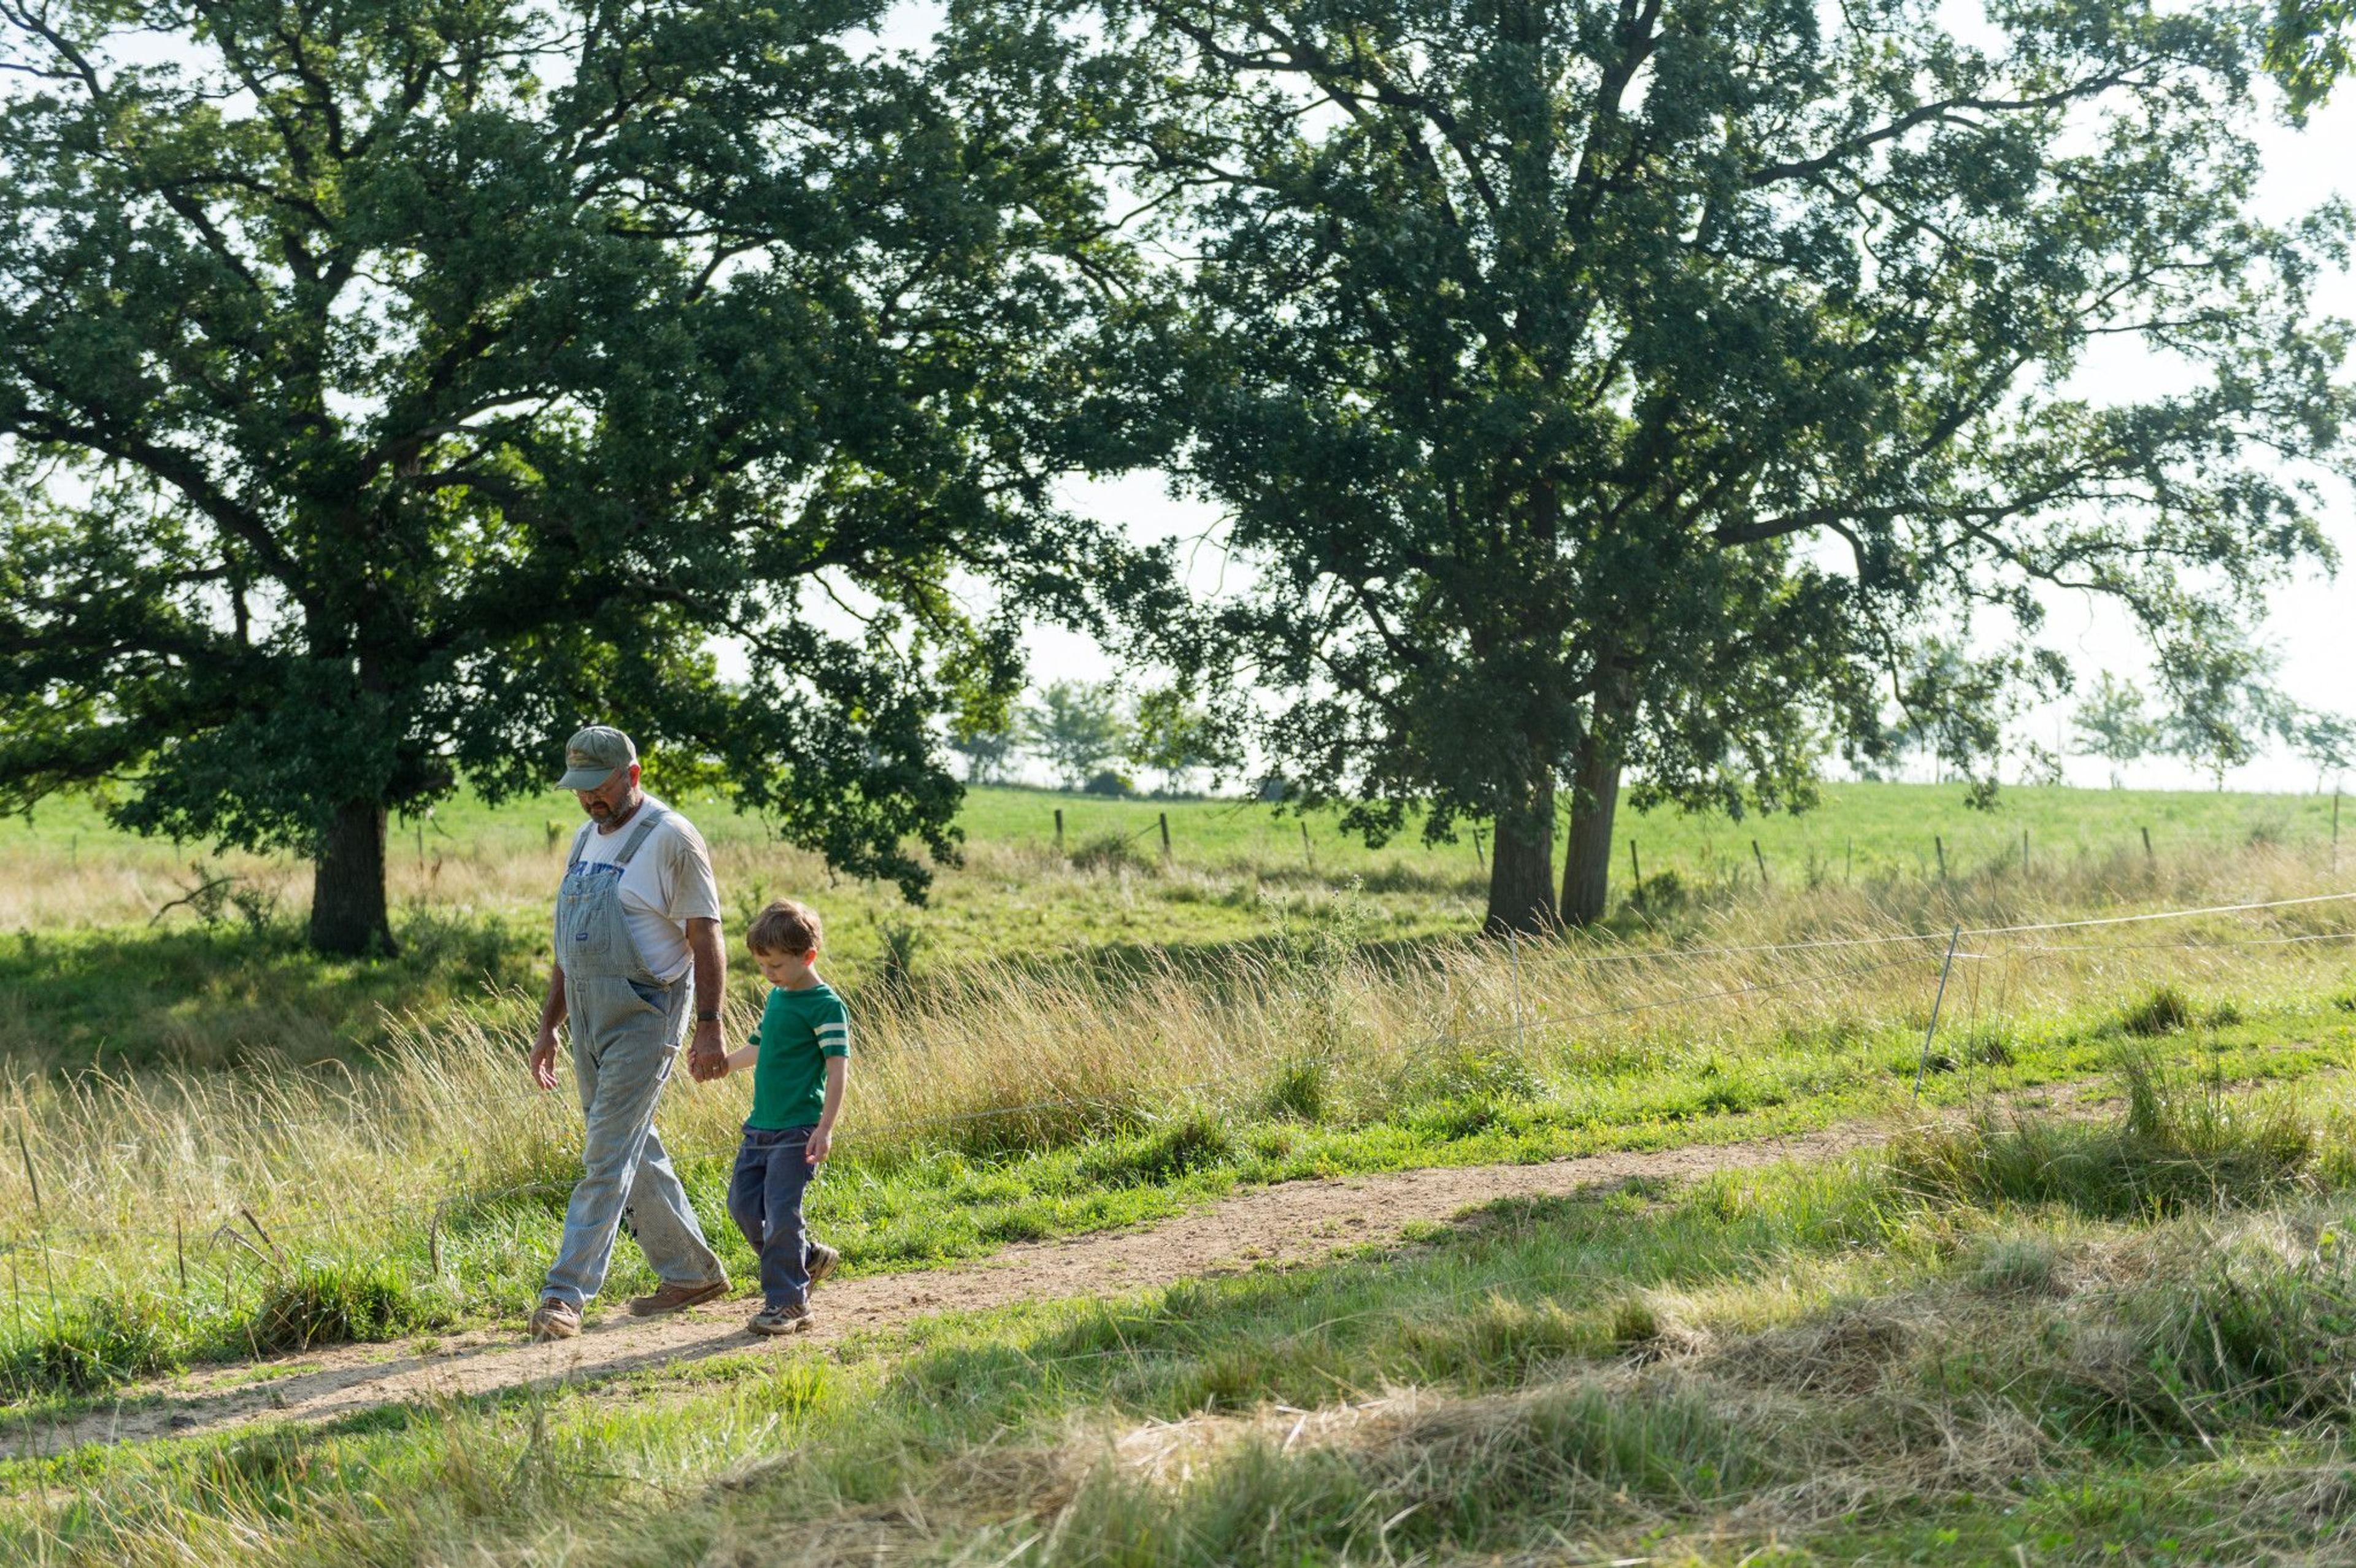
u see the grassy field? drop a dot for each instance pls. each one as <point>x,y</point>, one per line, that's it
<point>101,964</point>
<point>67,867</point>
<point>1009,1101</point>
<point>2009,1336</point>
<point>2083,1341</point>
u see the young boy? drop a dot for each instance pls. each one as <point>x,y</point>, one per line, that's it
<point>800,1055</point>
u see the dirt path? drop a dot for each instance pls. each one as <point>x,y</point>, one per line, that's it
<point>1294,1222</point>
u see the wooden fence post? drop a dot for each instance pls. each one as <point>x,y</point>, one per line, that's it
<point>1939,845</point>
<point>1166,838</point>
<point>1059,830</point>
<point>1635,869</point>
<point>1762,862</point>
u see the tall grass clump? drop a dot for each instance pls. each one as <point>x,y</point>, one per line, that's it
<point>2179,1143</point>
<point>1496,1473</point>
<point>94,1344</point>
<point>336,1303</point>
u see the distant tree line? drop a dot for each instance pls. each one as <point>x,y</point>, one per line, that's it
<point>2218,720</point>
<point>1081,730</point>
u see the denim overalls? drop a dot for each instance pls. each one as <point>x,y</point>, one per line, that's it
<point>625,1027</point>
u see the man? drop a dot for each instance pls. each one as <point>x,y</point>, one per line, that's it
<point>637,912</point>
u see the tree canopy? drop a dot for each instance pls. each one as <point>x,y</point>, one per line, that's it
<point>1649,384</point>
<point>387,388</point>
<point>1077,726</point>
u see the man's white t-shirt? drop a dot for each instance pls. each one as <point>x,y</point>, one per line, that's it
<point>667,883</point>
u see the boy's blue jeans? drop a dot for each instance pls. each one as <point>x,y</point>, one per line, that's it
<point>764,1199</point>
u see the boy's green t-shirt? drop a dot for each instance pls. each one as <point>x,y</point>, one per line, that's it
<point>799,1030</point>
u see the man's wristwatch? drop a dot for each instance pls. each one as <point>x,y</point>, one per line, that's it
<point>705,1018</point>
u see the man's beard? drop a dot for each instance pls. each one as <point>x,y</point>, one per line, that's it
<point>600,810</point>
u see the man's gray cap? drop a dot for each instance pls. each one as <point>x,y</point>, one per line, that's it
<point>591,757</point>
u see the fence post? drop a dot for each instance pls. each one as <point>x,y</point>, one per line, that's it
<point>2146,848</point>
<point>1059,830</point>
<point>1762,862</point>
<point>1479,859</point>
<point>1307,854</point>
<point>2024,851</point>
<point>1635,869</point>
<point>1939,995</point>
<point>1939,845</point>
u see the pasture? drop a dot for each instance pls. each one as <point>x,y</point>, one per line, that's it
<point>2082,1302</point>
<point>105,957</point>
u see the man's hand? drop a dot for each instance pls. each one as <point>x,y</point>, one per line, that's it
<point>542,1060</point>
<point>821,1143</point>
<point>707,1059</point>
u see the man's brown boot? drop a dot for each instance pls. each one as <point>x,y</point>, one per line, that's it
<point>555,1318</point>
<point>669,1297</point>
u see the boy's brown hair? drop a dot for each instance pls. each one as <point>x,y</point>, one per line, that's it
<point>784,927</point>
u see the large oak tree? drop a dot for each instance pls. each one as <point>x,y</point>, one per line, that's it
<point>388,386</point>
<point>1655,384</point>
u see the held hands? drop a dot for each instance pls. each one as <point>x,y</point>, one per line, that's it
<point>707,1059</point>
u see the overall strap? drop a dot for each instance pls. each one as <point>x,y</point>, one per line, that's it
<point>580,842</point>
<point>654,814</point>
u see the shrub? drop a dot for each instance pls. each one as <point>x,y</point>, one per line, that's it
<point>1109,782</point>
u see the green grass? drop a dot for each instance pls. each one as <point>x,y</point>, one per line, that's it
<point>1991,1227</point>
<point>1819,1365</point>
<point>1857,830</point>
<point>194,998</point>
<point>968,1192</point>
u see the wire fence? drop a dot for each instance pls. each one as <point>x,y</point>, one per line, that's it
<point>261,1242</point>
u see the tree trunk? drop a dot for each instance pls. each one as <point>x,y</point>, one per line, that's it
<point>1595,797</point>
<point>1586,863</point>
<point>347,914</point>
<point>1521,868</point>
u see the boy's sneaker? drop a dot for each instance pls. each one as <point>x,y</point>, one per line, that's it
<point>822,1259</point>
<point>670,1297</point>
<point>788,1319</point>
<point>555,1318</point>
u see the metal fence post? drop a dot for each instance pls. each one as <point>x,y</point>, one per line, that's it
<point>1924,1065</point>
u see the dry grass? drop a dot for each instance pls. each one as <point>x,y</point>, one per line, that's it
<point>994,1056</point>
